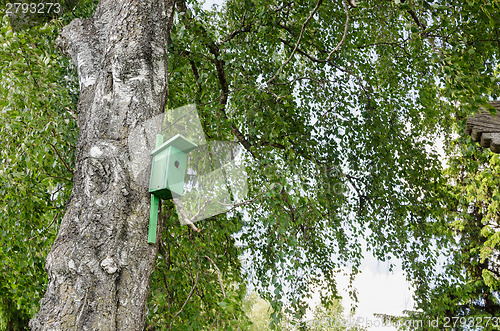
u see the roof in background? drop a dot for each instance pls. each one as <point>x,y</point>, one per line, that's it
<point>485,128</point>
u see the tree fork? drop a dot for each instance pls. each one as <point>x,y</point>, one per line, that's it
<point>100,263</point>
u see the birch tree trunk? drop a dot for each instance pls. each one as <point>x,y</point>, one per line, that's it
<point>100,263</point>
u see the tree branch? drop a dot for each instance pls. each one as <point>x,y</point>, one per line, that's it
<point>243,28</point>
<point>336,48</point>
<point>312,58</point>
<point>353,3</point>
<point>221,75</point>
<point>28,62</point>
<point>187,220</point>
<point>219,275</point>
<point>298,42</point>
<point>58,177</point>
<point>53,220</point>
<point>346,28</point>
<point>60,157</point>
<point>414,16</point>
<point>188,297</point>
<point>196,75</point>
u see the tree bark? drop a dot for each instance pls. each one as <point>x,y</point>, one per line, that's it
<point>100,263</point>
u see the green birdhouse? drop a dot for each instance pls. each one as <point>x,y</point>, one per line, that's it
<point>169,167</point>
<point>167,174</point>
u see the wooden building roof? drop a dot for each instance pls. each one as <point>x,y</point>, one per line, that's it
<point>485,128</point>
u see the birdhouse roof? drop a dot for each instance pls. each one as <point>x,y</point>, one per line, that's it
<point>178,141</point>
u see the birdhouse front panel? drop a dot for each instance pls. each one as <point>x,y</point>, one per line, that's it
<point>176,169</point>
<point>169,166</point>
<point>167,173</point>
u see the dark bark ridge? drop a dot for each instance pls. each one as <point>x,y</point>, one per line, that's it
<point>100,263</point>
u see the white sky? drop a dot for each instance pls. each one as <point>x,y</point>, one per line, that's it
<point>379,292</point>
<point>208,3</point>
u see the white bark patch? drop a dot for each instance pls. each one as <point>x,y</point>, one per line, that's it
<point>109,265</point>
<point>124,258</point>
<point>87,81</point>
<point>101,203</point>
<point>107,97</point>
<point>72,266</point>
<point>95,152</point>
<point>84,61</point>
<point>141,141</point>
<point>142,75</point>
<point>159,84</point>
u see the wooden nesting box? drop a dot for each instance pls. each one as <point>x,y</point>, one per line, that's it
<point>169,167</point>
<point>167,174</point>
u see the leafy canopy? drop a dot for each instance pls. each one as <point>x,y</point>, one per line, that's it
<point>338,107</point>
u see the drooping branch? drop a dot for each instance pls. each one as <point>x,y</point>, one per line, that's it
<point>188,297</point>
<point>330,62</point>
<point>335,49</point>
<point>26,55</point>
<point>346,28</point>
<point>43,230</point>
<point>214,49</point>
<point>302,30</point>
<point>415,18</point>
<point>243,28</point>
<point>61,158</point>
<point>219,275</point>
